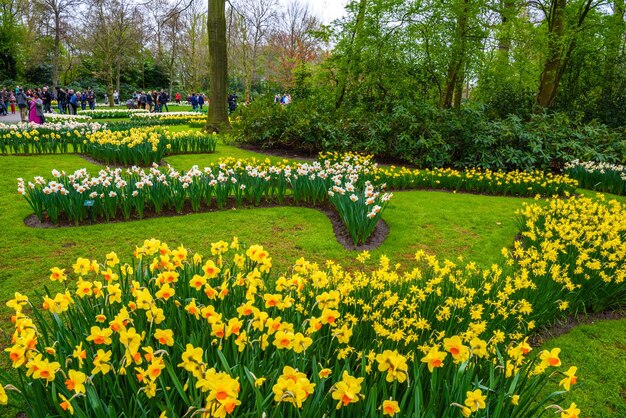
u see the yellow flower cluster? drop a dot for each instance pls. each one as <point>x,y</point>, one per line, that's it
<point>130,138</point>
<point>183,331</point>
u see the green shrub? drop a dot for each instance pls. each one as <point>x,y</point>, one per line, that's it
<point>422,134</point>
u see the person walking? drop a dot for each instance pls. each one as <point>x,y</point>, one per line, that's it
<point>22,104</point>
<point>178,98</point>
<point>163,99</point>
<point>47,100</point>
<point>200,101</point>
<point>149,102</point>
<point>73,102</point>
<point>91,98</point>
<point>194,102</point>
<point>12,100</point>
<point>60,99</point>
<point>83,99</point>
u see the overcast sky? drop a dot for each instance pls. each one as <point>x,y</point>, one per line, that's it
<point>327,10</point>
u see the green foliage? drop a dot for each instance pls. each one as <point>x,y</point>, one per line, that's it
<point>308,126</point>
<point>424,135</point>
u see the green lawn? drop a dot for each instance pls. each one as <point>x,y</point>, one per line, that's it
<point>599,352</point>
<point>446,224</point>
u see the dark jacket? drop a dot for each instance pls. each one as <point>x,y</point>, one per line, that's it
<point>21,100</point>
<point>47,97</point>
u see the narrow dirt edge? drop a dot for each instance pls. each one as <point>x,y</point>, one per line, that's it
<point>565,325</point>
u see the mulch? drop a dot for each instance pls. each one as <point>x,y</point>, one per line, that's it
<point>565,325</point>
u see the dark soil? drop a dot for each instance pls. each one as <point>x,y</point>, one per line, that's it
<point>341,233</point>
<point>563,326</point>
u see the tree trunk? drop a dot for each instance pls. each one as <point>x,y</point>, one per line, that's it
<point>57,50</point>
<point>457,60</point>
<point>614,42</point>
<point>551,74</point>
<point>217,120</point>
<point>173,59</point>
<point>458,88</point>
<point>118,77</point>
<point>504,36</point>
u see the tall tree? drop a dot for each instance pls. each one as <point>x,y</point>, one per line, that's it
<point>194,47</point>
<point>292,42</point>
<point>614,44</point>
<point>351,69</point>
<point>113,30</point>
<point>561,45</point>
<point>253,19</point>
<point>456,67</point>
<point>217,120</point>
<point>60,11</point>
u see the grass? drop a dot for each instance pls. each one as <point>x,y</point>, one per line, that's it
<point>446,224</point>
<point>599,352</point>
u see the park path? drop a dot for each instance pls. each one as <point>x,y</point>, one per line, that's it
<point>10,118</point>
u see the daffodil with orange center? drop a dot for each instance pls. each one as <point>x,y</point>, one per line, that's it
<point>165,292</point>
<point>570,378</point>
<point>390,407</point>
<point>550,358</point>
<point>571,412</point>
<point>348,390</point>
<point>100,336</point>
<point>434,358</point>
<point>76,381</point>
<point>164,336</point>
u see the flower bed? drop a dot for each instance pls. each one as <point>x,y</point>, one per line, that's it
<point>133,146</point>
<point>143,146</point>
<point>193,119</point>
<point>61,118</point>
<point>603,177</point>
<point>352,184</point>
<point>48,138</point>
<point>172,332</point>
<point>112,113</point>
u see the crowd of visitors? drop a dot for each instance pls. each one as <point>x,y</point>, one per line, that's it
<point>30,103</point>
<point>153,101</point>
<point>33,104</point>
<point>68,100</point>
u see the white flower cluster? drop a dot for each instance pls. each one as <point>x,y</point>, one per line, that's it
<point>146,115</point>
<point>592,166</point>
<point>342,176</point>
<point>100,112</point>
<point>66,125</point>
